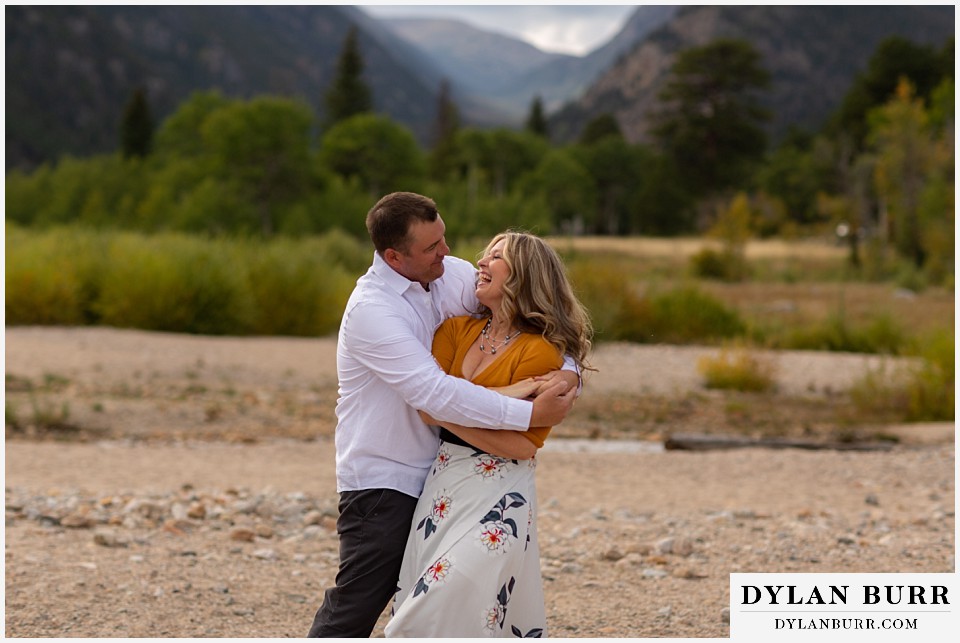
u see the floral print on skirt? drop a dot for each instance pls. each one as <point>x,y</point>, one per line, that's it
<point>471,567</point>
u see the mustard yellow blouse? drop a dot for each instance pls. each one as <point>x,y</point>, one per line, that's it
<point>526,356</point>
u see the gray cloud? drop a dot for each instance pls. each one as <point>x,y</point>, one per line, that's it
<point>575,29</point>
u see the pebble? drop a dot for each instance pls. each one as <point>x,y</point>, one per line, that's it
<point>106,538</point>
<point>242,534</point>
<point>245,516</point>
<point>76,521</point>
<point>612,554</point>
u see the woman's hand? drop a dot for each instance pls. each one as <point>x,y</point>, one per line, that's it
<point>544,382</point>
<point>520,390</point>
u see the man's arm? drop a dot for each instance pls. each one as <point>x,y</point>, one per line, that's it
<point>383,341</point>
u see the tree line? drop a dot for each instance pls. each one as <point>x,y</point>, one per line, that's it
<point>879,173</point>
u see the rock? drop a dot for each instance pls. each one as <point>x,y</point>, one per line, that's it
<point>571,568</point>
<point>312,518</point>
<point>664,546</point>
<point>687,573</point>
<point>265,554</point>
<point>243,535</point>
<point>108,538</point>
<point>197,511</point>
<point>612,554</point>
<point>263,531</point>
<point>678,546</point>
<point>665,611</point>
<point>872,499</point>
<point>178,527</point>
<point>682,546</point>
<point>179,511</point>
<point>651,572</point>
<point>329,523</point>
<point>145,508</point>
<point>76,521</point>
<point>643,549</point>
<point>630,560</point>
<point>725,615</point>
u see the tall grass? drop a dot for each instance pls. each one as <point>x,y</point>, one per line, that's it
<point>180,283</point>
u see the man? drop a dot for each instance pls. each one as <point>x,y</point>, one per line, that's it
<point>386,375</point>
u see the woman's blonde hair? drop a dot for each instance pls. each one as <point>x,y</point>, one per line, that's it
<point>538,297</point>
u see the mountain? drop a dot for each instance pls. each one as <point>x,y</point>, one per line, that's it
<point>496,77</point>
<point>813,53</point>
<point>477,63</point>
<point>71,69</point>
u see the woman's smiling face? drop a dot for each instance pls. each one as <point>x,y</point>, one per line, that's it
<point>492,274</point>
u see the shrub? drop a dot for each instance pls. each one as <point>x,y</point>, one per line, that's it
<point>678,315</point>
<point>686,314</point>
<point>737,369</point>
<point>924,392</point>
<point>297,288</point>
<point>724,265</point>
<point>882,334</point>
<point>52,277</point>
<point>175,283</point>
<point>179,283</point>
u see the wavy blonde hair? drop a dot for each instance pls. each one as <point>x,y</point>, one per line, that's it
<point>538,297</point>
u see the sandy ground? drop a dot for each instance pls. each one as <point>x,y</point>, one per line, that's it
<point>178,486</point>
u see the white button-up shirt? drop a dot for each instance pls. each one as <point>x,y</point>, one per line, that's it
<point>387,373</point>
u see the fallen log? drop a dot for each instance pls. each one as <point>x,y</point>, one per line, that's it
<point>701,442</point>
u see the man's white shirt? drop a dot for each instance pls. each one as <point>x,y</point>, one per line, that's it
<point>387,372</point>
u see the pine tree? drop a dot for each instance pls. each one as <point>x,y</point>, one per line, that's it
<point>537,121</point>
<point>710,121</point>
<point>443,154</point>
<point>348,94</point>
<point>136,129</point>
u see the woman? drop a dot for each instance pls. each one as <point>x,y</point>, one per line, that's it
<point>472,564</point>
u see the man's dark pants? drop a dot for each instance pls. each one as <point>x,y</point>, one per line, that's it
<point>373,528</point>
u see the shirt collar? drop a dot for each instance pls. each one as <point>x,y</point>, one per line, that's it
<point>391,277</point>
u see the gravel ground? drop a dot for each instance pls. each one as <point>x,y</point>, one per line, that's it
<point>188,491</point>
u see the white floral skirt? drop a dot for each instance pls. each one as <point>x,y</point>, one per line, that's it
<point>472,564</point>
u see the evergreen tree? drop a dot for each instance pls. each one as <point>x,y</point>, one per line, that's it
<point>537,120</point>
<point>895,58</point>
<point>711,121</point>
<point>348,95</point>
<point>600,127</point>
<point>136,129</point>
<point>443,155</point>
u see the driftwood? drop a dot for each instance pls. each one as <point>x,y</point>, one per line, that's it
<point>691,442</point>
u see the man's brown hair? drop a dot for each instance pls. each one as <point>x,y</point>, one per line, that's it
<point>388,222</point>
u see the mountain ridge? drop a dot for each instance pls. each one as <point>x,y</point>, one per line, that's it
<point>70,69</point>
<point>812,52</point>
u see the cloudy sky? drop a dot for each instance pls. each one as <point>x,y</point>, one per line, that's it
<point>569,29</point>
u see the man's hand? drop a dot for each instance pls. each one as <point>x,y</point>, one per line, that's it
<point>553,403</point>
<point>545,381</point>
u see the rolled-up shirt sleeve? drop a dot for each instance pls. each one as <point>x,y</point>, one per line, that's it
<point>382,341</point>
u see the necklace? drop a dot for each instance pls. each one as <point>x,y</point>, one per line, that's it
<point>485,335</point>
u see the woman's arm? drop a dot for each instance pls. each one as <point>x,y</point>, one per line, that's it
<point>506,444</point>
